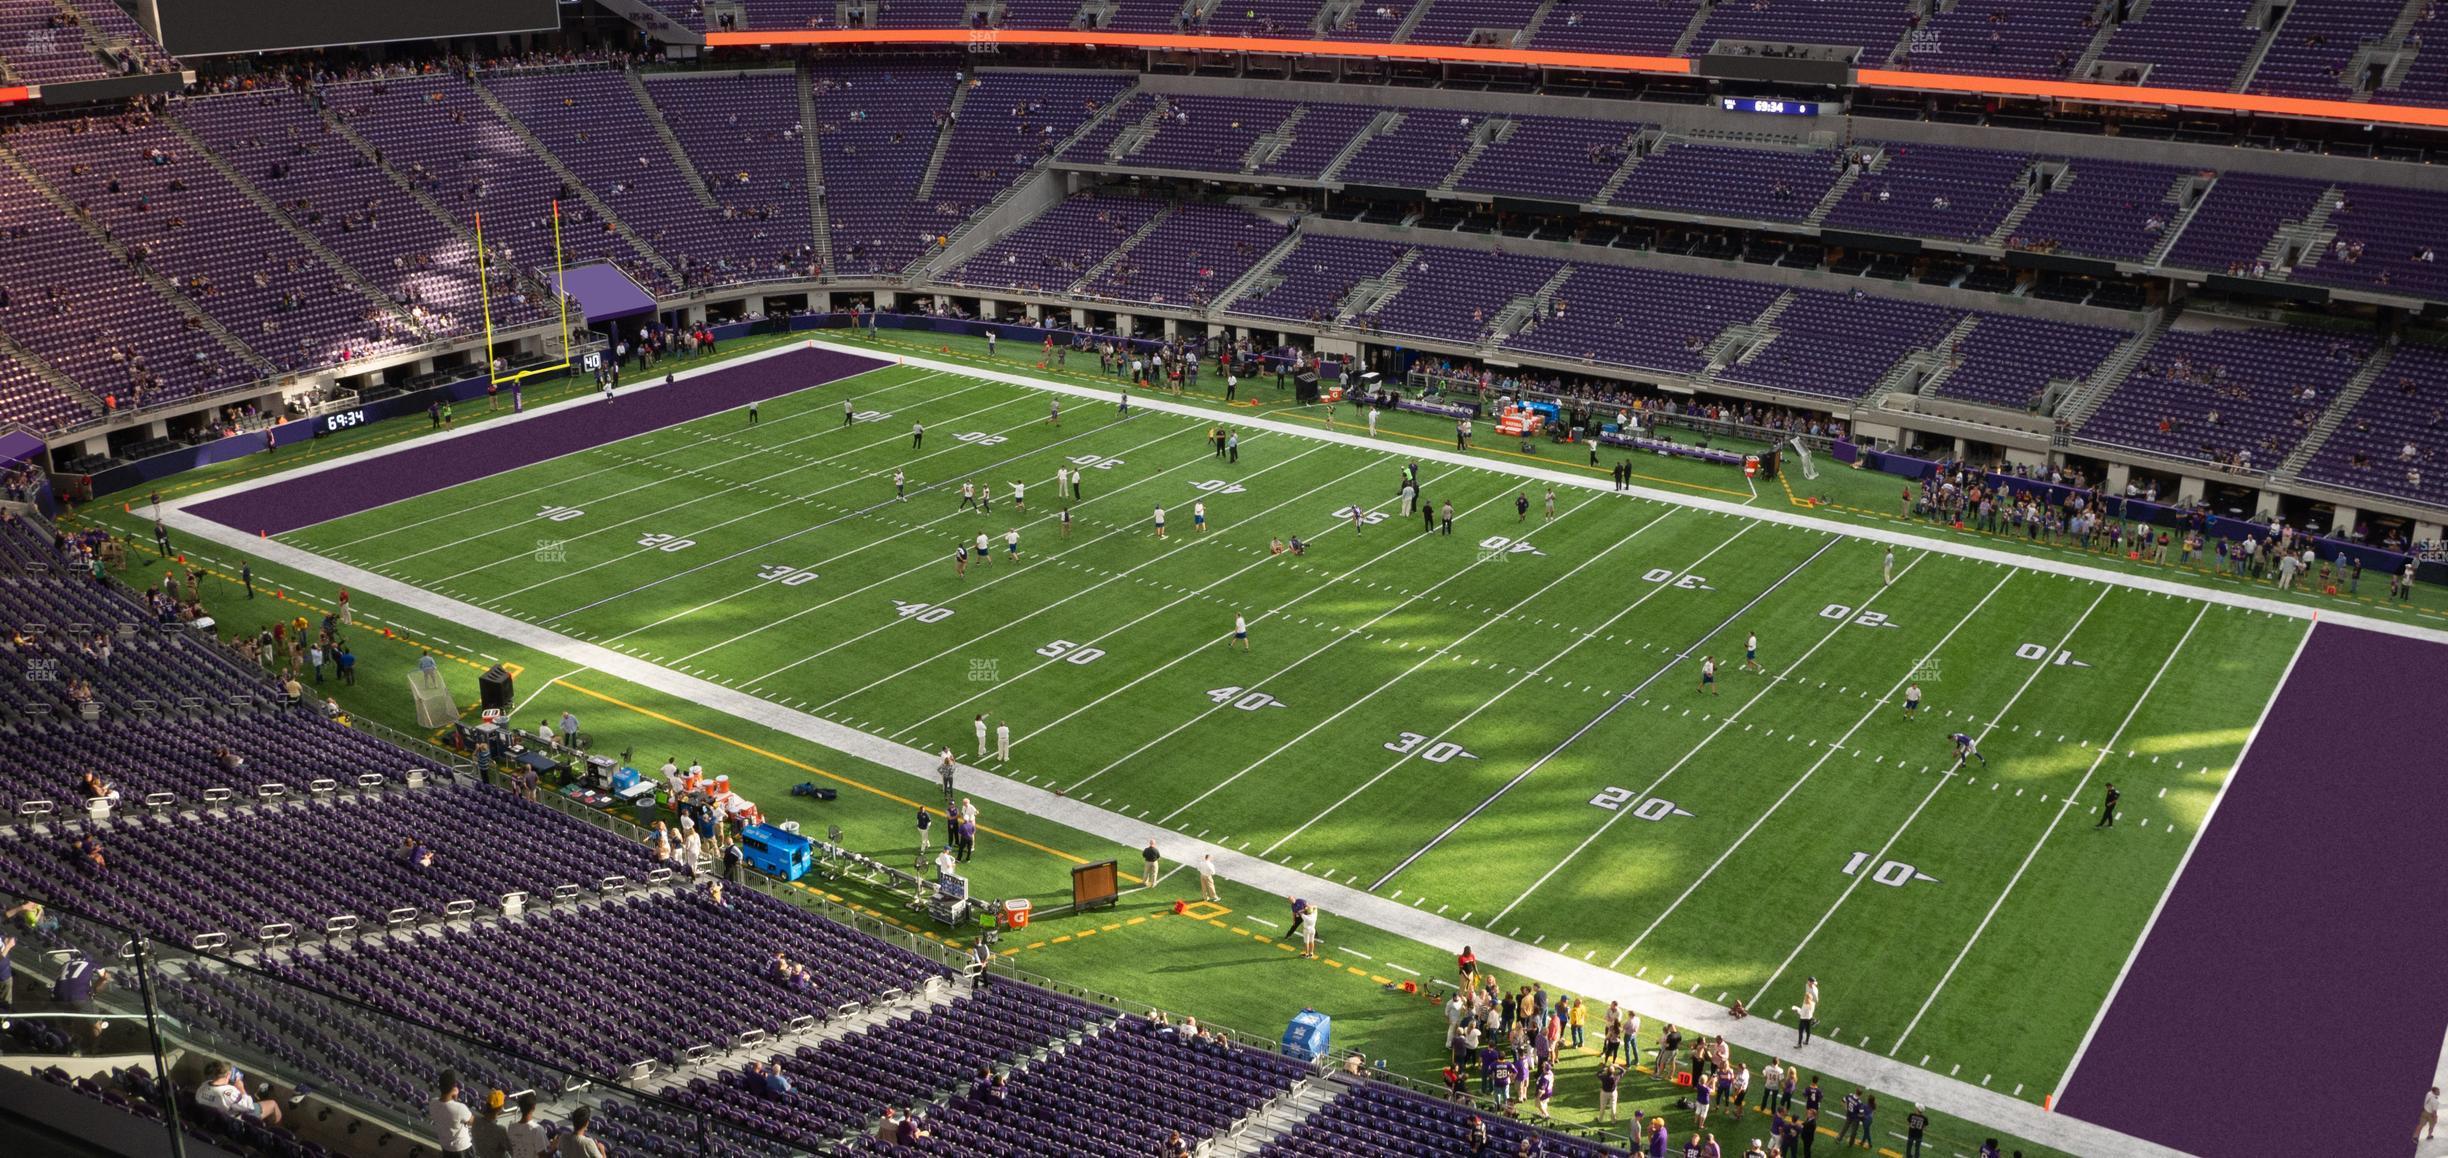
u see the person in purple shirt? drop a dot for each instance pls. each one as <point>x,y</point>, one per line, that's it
<point>1657,1138</point>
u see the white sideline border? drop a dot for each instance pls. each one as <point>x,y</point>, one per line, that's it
<point>1948,1095</point>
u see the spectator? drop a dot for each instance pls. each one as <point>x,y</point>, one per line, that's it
<point>224,1090</point>
<point>492,1138</point>
<point>576,1143</point>
<point>450,1118</point>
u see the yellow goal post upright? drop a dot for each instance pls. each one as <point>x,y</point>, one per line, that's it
<point>560,288</point>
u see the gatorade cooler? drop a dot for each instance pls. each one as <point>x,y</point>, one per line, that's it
<point>1309,1036</point>
<point>1750,466</point>
<point>1015,914</point>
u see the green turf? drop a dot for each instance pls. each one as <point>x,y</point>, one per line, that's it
<point>1107,653</point>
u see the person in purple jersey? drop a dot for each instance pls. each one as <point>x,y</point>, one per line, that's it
<point>1967,748</point>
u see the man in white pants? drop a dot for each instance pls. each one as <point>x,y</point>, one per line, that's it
<point>1206,871</point>
<point>1003,741</point>
<point>981,734</point>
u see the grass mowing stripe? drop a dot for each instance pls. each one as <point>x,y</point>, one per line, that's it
<point>1518,681</point>
<point>903,574</point>
<point>1424,661</point>
<point>724,491</point>
<point>1603,713</point>
<point>1855,882</point>
<point>775,542</point>
<point>1278,609</point>
<point>1107,634</point>
<point>1625,808</point>
<point>2064,805</point>
<point>2101,1014</point>
<point>1796,786</point>
<point>525,490</point>
<point>1042,608</point>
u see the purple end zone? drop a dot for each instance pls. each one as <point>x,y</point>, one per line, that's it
<point>2307,919</point>
<point>282,504</point>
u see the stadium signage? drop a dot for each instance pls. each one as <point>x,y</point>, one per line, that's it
<point>344,419</point>
<point>1766,105</point>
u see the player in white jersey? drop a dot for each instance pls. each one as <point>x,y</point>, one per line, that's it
<point>1912,701</point>
<point>1160,522</point>
<point>1751,652</point>
<point>1011,544</point>
<point>980,722</point>
<point>1708,674</point>
<point>900,487</point>
<point>1020,497</point>
<point>1198,516</point>
<point>969,496</point>
<point>983,548</point>
<point>1240,637</point>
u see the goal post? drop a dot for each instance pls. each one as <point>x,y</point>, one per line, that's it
<point>484,294</point>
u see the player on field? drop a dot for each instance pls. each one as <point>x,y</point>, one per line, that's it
<point>980,722</point>
<point>917,434</point>
<point>1551,502</point>
<point>1751,652</point>
<point>1240,637</point>
<point>1521,507</point>
<point>1198,517</point>
<point>1020,496</point>
<point>1708,674</point>
<point>1912,701</point>
<point>1122,405</point>
<point>984,553</point>
<point>960,560</point>
<point>1887,568</point>
<point>1160,522</point>
<point>990,343</point>
<point>985,497</point>
<point>1011,544</point>
<point>1054,412</point>
<point>1065,519</point>
<point>969,496</point>
<point>900,487</point>
<point>846,412</point>
<point>1966,748</point>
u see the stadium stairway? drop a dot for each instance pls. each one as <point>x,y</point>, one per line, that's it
<point>51,375</point>
<point>1080,287</point>
<point>2061,177</point>
<point>2309,237</point>
<point>1844,184</point>
<point>161,285</point>
<point>671,142</point>
<point>357,280</point>
<point>1284,1115</point>
<point>1383,122</point>
<point>1488,132</point>
<point>2260,51</point>
<point>817,222</point>
<point>1636,150</point>
<point>952,252</point>
<point>943,142</point>
<point>573,182</point>
<point>1258,274</point>
<point>2079,404</point>
<point>1273,141</point>
<point>2335,414</point>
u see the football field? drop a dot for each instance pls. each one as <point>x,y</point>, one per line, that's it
<point>1504,725</point>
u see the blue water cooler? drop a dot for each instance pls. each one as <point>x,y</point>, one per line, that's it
<point>1309,1036</point>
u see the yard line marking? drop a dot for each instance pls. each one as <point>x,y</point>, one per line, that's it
<point>848,513</point>
<point>1060,557</point>
<point>1073,596</point>
<point>1771,685</point>
<point>1424,661</point>
<point>1855,882</point>
<point>2062,808</point>
<point>1279,672</point>
<point>1796,786</point>
<point>457,512</point>
<point>1612,706</point>
<point>2190,848</point>
<point>693,473</point>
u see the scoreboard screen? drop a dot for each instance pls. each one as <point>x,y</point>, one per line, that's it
<point>1769,105</point>
<point>219,27</point>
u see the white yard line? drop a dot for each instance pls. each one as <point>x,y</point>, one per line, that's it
<point>530,492</point>
<point>2065,805</point>
<point>1881,855</point>
<point>1262,617</point>
<point>1787,518</point>
<point>1824,756</point>
<point>2191,847</point>
<point>1593,722</point>
<point>1431,657</point>
<point>1100,584</point>
<point>1525,677</point>
<point>1960,1099</point>
<point>721,491</point>
<point>933,561</point>
<point>1626,807</point>
<point>982,471</point>
<point>1108,633</point>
